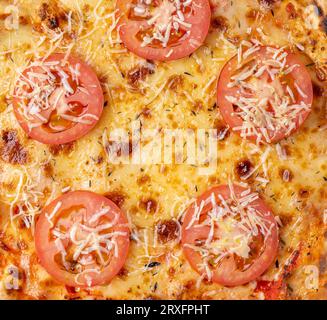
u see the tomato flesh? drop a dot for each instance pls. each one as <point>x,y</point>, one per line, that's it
<point>277,289</point>
<point>227,241</point>
<point>163,30</point>
<point>82,239</point>
<point>58,100</point>
<point>266,96</point>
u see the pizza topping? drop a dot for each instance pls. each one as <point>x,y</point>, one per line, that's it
<point>220,23</point>
<point>165,29</point>
<point>82,239</point>
<point>52,15</point>
<point>65,148</point>
<point>58,100</point>
<point>12,150</point>
<point>167,16</point>
<point>118,198</point>
<point>175,82</point>
<point>139,73</point>
<point>242,236</point>
<point>243,168</point>
<point>290,8</point>
<point>268,4</point>
<point>229,235</point>
<point>168,230</point>
<point>223,131</point>
<point>264,93</point>
<point>149,205</point>
<point>286,175</point>
<point>277,289</point>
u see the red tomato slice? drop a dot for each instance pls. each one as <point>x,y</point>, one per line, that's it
<point>163,30</point>
<point>229,235</point>
<point>264,94</point>
<point>57,102</point>
<point>277,289</point>
<point>82,239</point>
<point>272,290</point>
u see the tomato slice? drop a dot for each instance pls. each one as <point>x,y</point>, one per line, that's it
<point>82,239</point>
<point>163,30</point>
<point>58,100</point>
<point>229,235</point>
<point>277,289</point>
<point>264,93</point>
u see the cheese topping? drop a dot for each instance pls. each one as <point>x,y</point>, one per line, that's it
<point>234,223</point>
<point>166,20</point>
<point>259,93</point>
<point>47,89</point>
<point>85,243</point>
<point>91,32</point>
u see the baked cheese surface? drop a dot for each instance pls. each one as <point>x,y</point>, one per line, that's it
<point>291,176</point>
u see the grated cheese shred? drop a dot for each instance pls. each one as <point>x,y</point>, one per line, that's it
<point>232,225</point>
<point>259,96</point>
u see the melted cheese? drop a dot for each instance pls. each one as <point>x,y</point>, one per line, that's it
<point>154,268</point>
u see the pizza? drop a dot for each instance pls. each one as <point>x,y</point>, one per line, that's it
<point>163,149</point>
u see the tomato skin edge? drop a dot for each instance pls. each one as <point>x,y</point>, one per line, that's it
<point>43,252</point>
<point>235,121</point>
<point>78,130</point>
<point>193,258</point>
<point>161,54</point>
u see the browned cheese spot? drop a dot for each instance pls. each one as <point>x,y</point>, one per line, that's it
<point>243,167</point>
<point>12,151</point>
<point>139,73</point>
<point>149,205</point>
<point>220,23</point>
<point>167,230</point>
<point>175,82</point>
<point>64,149</point>
<point>143,179</point>
<point>118,198</point>
<point>222,130</point>
<point>52,15</point>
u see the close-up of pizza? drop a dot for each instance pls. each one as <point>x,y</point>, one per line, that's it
<point>163,150</point>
